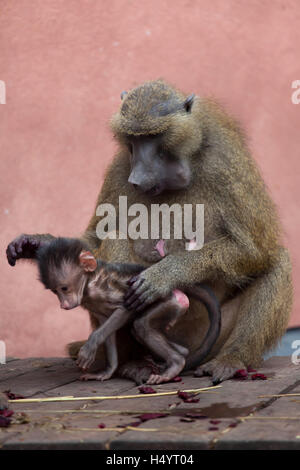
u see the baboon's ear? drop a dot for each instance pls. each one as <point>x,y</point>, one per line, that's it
<point>189,102</point>
<point>123,94</point>
<point>87,261</point>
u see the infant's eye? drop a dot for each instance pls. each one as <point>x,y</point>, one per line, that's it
<point>64,289</point>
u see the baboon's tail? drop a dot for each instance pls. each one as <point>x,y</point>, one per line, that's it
<point>205,295</point>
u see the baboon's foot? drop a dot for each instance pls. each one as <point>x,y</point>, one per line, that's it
<point>101,376</point>
<point>138,371</point>
<point>219,369</point>
<point>156,379</point>
<point>172,371</point>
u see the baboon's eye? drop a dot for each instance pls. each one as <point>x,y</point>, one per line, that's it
<point>64,289</point>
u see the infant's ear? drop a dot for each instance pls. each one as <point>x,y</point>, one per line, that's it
<point>87,261</point>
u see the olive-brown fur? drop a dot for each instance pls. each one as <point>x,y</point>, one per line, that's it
<point>242,258</point>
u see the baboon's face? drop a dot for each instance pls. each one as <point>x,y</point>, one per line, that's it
<point>154,169</point>
<point>67,283</point>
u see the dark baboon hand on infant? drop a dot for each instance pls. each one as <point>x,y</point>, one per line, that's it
<point>144,289</point>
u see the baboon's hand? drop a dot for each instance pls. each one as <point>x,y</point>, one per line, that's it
<point>86,356</point>
<point>146,288</point>
<point>24,246</point>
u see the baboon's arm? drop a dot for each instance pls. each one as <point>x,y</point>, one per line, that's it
<point>26,246</point>
<point>224,256</point>
<point>88,351</point>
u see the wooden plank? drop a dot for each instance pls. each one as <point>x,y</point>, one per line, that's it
<point>236,399</point>
<point>11,358</point>
<point>273,427</point>
<point>40,379</point>
<point>74,425</point>
<point>51,426</point>
<point>22,366</point>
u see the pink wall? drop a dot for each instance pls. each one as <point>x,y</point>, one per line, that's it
<point>65,64</point>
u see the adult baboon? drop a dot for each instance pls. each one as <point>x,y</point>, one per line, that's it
<point>185,149</point>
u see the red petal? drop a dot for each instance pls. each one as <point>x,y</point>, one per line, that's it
<point>258,377</point>
<point>176,379</point>
<point>144,389</point>
<point>213,428</point>
<point>101,425</point>
<point>12,396</point>
<point>241,374</point>
<point>187,397</point>
<point>192,400</point>
<point>6,413</point>
<point>183,395</point>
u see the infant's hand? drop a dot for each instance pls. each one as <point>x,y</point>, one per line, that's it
<point>86,356</point>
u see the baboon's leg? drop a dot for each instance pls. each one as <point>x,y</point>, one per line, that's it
<point>74,348</point>
<point>140,371</point>
<point>179,348</point>
<point>148,330</point>
<point>112,362</point>
<point>263,315</point>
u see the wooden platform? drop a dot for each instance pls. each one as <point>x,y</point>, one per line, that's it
<point>234,416</point>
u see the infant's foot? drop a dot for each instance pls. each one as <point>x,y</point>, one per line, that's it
<point>101,376</point>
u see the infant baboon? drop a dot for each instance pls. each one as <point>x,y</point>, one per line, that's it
<point>70,270</point>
